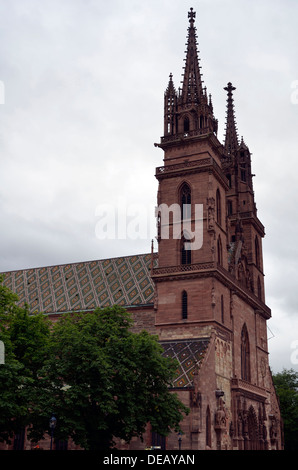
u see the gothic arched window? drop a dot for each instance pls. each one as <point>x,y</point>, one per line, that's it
<point>257,252</point>
<point>218,207</point>
<point>185,253</point>
<point>184,305</point>
<point>230,207</point>
<point>219,251</point>
<point>202,122</point>
<point>186,124</point>
<point>208,427</point>
<point>259,288</point>
<point>185,201</point>
<point>245,355</point>
<point>222,309</point>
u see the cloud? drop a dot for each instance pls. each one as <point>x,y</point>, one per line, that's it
<point>84,83</point>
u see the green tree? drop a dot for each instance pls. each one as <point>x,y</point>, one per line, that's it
<point>25,339</point>
<point>286,385</point>
<point>103,382</point>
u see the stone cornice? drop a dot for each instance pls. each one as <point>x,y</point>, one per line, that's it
<point>192,166</point>
<point>211,269</point>
<point>248,389</point>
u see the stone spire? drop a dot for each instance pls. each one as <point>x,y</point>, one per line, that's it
<point>231,138</point>
<point>170,108</point>
<point>192,88</point>
<point>188,113</point>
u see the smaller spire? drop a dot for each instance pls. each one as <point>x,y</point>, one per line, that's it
<point>210,102</point>
<point>231,137</point>
<point>171,88</point>
<point>243,144</point>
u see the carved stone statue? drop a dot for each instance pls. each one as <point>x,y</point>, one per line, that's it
<point>220,416</point>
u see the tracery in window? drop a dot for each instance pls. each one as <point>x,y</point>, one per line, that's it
<point>245,355</point>
<point>219,251</point>
<point>185,201</point>
<point>218,207</point>
<point>185,253</point>
<point>257,252</point>
<point>186,124</point>
<point>184,305</point>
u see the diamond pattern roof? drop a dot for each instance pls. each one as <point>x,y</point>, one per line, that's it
<point>189,354</point>
<point>84,286</point>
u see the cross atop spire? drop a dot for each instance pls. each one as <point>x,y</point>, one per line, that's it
<point>191,16</point>
<point>171,88</point>
<point>231,138</point>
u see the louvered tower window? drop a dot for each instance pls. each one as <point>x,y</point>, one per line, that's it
<point>185,254</point>
<point>184,305</point>
<point>185,201</point>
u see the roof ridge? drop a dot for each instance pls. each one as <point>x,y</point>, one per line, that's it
<point>73,263</point>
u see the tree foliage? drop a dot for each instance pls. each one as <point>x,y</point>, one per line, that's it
<point>286,385</point>
<point>25,338</point>
<point>99,379</point>
<point>109,382</point>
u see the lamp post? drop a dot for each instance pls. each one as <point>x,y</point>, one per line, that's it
<point>52,424</point>
<point>179,439</point>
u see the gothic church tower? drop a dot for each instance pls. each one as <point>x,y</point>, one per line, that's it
<point>209,281</point>
<point>203,292</point>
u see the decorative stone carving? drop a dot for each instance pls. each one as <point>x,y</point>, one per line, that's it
<point>220,416</point>
<point>211,212</point>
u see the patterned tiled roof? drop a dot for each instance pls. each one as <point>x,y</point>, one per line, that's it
<point>124,281</point>
<point>189,354</point>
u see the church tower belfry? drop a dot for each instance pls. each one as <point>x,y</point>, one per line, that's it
<point>188,112</point>
<point>192,180</point>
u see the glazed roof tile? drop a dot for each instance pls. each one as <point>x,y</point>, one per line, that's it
<point>189,354</point>
<point>124,281</point>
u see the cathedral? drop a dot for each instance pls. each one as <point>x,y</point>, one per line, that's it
<point>203,292</point>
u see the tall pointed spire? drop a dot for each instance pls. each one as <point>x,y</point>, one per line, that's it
<point>192,88</point>
<point>231,138</point>
<point>188,113</point>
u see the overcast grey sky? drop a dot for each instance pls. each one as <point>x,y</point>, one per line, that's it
<point>83,105</point>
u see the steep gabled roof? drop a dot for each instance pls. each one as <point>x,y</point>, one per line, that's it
<point>124,281</point>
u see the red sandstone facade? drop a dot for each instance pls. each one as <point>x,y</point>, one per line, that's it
<point>216,292</point>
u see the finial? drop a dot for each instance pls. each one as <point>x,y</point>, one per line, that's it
<point>170,89</point>
<point>229,88</point>
<point>191,16</point>
<point>210,102</point>
<point>243,144</point>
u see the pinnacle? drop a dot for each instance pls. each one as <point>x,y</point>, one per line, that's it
<point>171,89</point>
<point>231,137</point>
